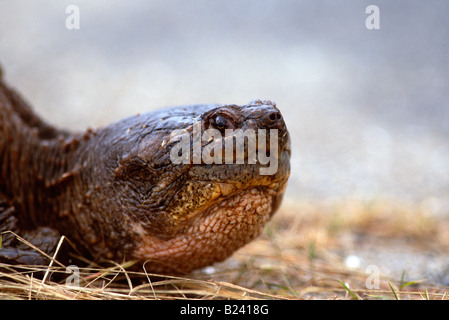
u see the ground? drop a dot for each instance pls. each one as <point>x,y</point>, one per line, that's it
<point>328,250</point>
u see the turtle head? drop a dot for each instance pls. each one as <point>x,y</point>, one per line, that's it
<point>196,183</point>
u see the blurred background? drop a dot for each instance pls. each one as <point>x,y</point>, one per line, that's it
<point>367,110</point>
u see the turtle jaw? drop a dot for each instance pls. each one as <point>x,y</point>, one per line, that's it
<point>212,235</point>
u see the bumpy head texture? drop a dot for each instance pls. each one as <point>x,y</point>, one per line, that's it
<point>181,216</point>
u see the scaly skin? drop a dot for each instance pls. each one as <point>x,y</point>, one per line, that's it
<point>116,194</point>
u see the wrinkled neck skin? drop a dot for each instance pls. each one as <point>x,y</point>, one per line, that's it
<point>28,148</point>
<point>69,180</point>
<point>39,166</point>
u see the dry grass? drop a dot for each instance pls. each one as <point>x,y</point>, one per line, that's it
<point>297,257</point>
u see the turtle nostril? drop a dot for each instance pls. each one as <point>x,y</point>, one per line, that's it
<point>275,116</point>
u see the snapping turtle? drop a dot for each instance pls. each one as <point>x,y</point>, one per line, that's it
<point>116,194</point>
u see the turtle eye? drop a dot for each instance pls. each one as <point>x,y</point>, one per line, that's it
<point>221,123</point>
